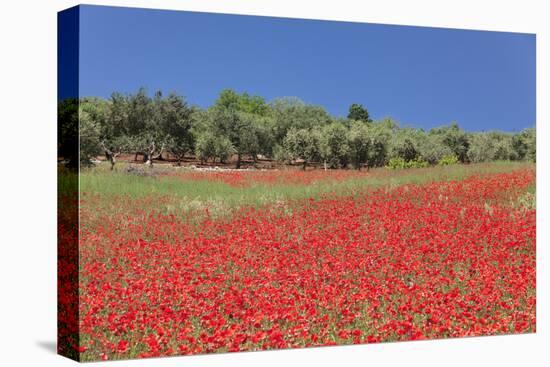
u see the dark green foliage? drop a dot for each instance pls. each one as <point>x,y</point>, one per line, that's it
<point>380,136</point>
<point>90,131</point>
<point>209,147</point>
<point>175,122</point>
<point>481,148</point>
<point>359,141</point>
<point>241,126</point>
<point>94,114</point>
<point>432,149</point>
<point>302,144</point>
<point>241,119</point>
<point>455,139</point>
<point>358,113</point>
<point>405,143</point>
<point>333,145</point>
<point>524,144</point>
<point>530,138</point>
<point>67,132</point>
<point>504,150</point>
<point>290,113</point>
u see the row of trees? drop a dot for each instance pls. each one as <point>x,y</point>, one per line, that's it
<point>287,130</point>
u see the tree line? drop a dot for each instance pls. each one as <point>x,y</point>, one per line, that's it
<point>239,126</point>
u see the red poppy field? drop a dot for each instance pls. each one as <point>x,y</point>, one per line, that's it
<point>306,259</point>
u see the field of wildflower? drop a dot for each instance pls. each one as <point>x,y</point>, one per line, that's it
<point>189,262</point>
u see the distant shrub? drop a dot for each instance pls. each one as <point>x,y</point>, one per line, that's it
<point>448,160</point>
<point>482,148</point>
<point>224,149</point>
<point>396,163</point>
<point>205,147</point>
<point>400,163</point>
<point>209,146</point>
<point>417,163</point>
<point>432,148</point>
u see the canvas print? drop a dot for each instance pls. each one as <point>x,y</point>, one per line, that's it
<point>238,183</point>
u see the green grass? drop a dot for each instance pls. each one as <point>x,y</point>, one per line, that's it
<point>67,183</point>
<point>181,194</point>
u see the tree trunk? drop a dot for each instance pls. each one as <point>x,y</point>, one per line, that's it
<point>135,157</point>
<point>110,155</point>
<point>238,161</point>
<point>149,161</point>
<point>148,158</point>
<point>305,165</point>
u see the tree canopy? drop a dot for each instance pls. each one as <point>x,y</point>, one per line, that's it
<point>240,125</point>
<point>358,113</point>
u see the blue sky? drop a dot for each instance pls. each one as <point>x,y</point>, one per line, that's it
<point>422,77</point>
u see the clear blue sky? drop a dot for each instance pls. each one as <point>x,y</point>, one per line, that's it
<point>422,77</point>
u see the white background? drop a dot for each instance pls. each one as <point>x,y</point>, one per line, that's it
<point>28,181</point>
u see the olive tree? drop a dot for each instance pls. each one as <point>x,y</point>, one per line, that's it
<point>405,143</point>
<point>359,143</point>
<point>333,145</point>
<point>432,148</point>
<point>302,144</point>
<point>243,120</point>
<point>524,144</point>
<point>209,146</point>
<point>481,148</point>
<point>291,113</point>
<point>379,134</point>
<point>176,123</point>
<point>455,139</point>
<point>67,132</point>
<point>89,139</point>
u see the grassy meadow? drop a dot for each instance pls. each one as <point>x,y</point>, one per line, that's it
<point>179,191</point>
